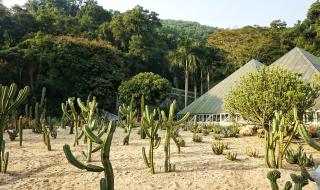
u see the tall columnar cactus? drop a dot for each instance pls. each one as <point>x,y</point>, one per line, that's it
<point>130,116</point>
<point>150,128</point>
<point>299,181</point>
<point>106,183</point>
<point>10,101</point>
<point>169,124</point>
<point>20,126</point>
<point>88,112</point>
<point>45,133</point>
<point>39,109</point>
<point>275,146</point>
<point>142,110</point>
<point>71,114</point>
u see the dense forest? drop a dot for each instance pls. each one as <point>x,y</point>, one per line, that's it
<point>74,47</point>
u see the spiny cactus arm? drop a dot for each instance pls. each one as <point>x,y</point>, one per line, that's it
<point>22,95</point>
<point>304,134</point>
<point>171,111</point>
<point>156,142</point>
<point>43,95</point>
<point>105,156</point>
<point>89,133</point>
<point>299,181</point>
<point>305,173</point>
<point>164,117</point>
<point>273,176</point>
<point>65,111</point>
<point>288,185</point>
<point>72,160</point>
<point>103,184</point>
<point>145,157</point>
<point>182,120</point>
<point>82,106</point>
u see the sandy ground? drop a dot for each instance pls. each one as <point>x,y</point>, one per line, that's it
<point>33,167</point>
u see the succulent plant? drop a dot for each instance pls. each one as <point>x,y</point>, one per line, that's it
<point>218,148</point>
<point>252,152</point>
<point>196,138</point>
<point>10,101</point>
<point>106,183</point>
<point>130,117</point>
<point>169,123</point>
<point>299,157</point>
<point>299,181</point>
<point>231,156</point>
<point>150,128</point>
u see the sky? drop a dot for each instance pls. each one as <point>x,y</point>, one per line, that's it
<point>218,13</point>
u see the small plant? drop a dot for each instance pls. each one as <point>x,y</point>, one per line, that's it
<point>216,129</point>
<point>253,153</point>
<point>182,142</point>
<point>218,148</point>
<point>299,180</point>
<point>313,130</point>
<point>217,137</point>
<point>230,131</point>
<point>12,134</point>
<point>231,156</point>
<point>196,138</point>
<point>299,157</point>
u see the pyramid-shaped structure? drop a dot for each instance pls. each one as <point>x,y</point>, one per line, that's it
<point>300,61</point>
<point>212,102</point>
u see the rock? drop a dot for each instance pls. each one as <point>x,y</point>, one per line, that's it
<point>316,176</point>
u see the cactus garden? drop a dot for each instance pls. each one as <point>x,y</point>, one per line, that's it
<point>126,95</point>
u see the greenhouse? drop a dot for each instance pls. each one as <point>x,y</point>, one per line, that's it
<point>210,106</point>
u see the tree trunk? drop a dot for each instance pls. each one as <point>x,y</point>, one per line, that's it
<point>195,90</point>
<point>208,80</point>
<point>186,86</point>
<point>201,82</point>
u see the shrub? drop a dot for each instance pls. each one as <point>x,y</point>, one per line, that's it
<point>253,153</point>
<point>182,142</point>
<point>230,131</point>
<point>231,156</point>
<point>197,138</point>
<point>218,148</point>
<point>299,157</point>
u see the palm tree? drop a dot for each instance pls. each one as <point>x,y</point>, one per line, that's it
<point>185,57</point>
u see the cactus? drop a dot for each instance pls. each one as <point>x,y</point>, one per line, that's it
<point>106,183</point>
<point>88,112</point>
<point>10,101</point>
<point>253,153</point>
<point>299,157</point>
<point>142,110</point>
<point>196,138</point>
<point>299,180</point>
<point>275,146</point>
<point>169,123</point>
<point>150,128</point>
<point>45,132</point>
<point>231,156</point>
<point>218,148</point>
<point>39,109</point>
<point>70,113</point>
<point>130,116</point>
<point>20,125</point>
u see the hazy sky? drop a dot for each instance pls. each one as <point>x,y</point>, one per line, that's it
<point>220,13</point>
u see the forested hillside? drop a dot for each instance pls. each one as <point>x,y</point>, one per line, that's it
<point>75,47</point>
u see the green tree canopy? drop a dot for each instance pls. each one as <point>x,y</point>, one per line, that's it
<point>260,94</point>
<point>153,87</point>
